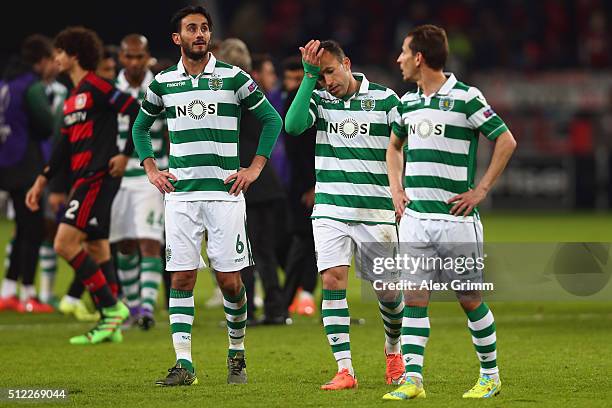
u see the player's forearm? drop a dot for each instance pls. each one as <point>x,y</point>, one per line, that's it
<point>149,165</point>
<point>504,147</point>
<point>271,127</point>
<point>141,137</point>
<point>395,165</point>
<point>258,163</point>
<point>298,115</point>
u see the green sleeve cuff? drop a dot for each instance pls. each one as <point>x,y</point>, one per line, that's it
<point>311,69</point>
<point>399,131</point>
<point>298,117</point>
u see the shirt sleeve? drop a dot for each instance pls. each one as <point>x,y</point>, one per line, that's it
<point>247,92</point>
<point>60,155</point>
<point>391,105</point>
<point>398,126</point>
<point>302,113</point>
<point>125,104</point>
<point>271,127</point>
<point>481,116</point>
<point>152,102</point>
<point>39,111</point>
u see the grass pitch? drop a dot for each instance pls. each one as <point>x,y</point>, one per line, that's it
<point>550,354</point>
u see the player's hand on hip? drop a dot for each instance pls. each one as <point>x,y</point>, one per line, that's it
<point>311,52</point>
<point>400,201</point>
<point>464,203</point>
<point>117,165</point>
<point>161,180</point>
<point>242,179</point>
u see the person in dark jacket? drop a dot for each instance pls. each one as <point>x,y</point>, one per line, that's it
<point>25,120</point>
<point>301,268</point>
<point>263,201</point>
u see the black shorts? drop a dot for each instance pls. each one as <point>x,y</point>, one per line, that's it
<point>89,205</point>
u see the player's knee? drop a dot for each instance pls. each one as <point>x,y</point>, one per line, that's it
<point>127,247</point>
<point>469,300</point>
<point>183,280</point>
<point>149,248</point>
<point>416,298</point>
<point>331,280</point>
<point>65,248</point>
<point>230,283</point>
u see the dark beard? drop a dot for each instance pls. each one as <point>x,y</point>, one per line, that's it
<point>196,56</point>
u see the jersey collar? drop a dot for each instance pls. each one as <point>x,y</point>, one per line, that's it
<point>208,69</point>
<point>365,84</point>
<point>363,87</point>
<point>446,87</point>
<point>122,82</point>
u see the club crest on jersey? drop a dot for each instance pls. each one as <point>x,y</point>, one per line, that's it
<point>215,82</point>
<point>368,104</point>
<point>348,128</point>
<point>80,101</point>
<point>196,109</point>
<point>446,103</point>
<point>426,128</point>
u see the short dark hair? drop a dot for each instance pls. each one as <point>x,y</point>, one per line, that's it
<point>293,63</point>
<point>431,41</point>
<point>334,48</point>
<point>257,61</point>
<point>82,43</point>
<point>176,19</point>
<point>36,47</point>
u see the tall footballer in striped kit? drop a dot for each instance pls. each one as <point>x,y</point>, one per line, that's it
<point>353,206</point>
<point>435,140</point>
<point>203,187</point>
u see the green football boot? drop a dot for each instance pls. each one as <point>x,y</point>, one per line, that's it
<point>108,327</point>
<point>85,339</point>
<point>236,369</point>
<point>178,375</point>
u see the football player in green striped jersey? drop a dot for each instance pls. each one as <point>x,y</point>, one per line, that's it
<point>437,132</point>
<point>203,188</point>
<point>353,211</point>
<point>137,217</point>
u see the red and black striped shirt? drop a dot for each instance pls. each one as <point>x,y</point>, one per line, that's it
<point>89,129</point>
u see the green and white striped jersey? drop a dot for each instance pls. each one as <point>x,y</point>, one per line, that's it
<point>203,114</point>
<point>442,131</point>
<point>352,138</point>
<point>134,173</point>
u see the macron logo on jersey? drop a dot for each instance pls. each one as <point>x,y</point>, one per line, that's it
<point>175,84</point>
<point>196,109</point>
